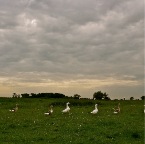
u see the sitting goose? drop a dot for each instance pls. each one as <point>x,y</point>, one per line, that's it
<point>117,110</point>
<point>50,111</point>
<point>67,109</point>
<point>14,109</point>
<point>95,111</point>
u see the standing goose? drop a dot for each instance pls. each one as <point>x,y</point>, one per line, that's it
<point>50,111</point>
<point>67,109</point>
<point>14,109</point>
<point>117,110</point>
<point>95,111</point>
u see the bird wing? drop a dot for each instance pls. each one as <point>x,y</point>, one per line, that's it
<point>66,110</point>
<point>94,111</point>
<point>47,113</point>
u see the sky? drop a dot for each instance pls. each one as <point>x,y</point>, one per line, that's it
<point>72,47</point>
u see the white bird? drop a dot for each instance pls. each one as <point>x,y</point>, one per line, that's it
<point>95,111</point>
<point>67,109</point>
<point>14,109</point>
<point>144,109</point>
<point>50,111</point>
<point>117,110</point>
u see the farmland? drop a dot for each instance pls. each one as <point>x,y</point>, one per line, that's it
<point>30,125</point>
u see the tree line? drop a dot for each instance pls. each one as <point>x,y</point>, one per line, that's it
<point>96,96</point>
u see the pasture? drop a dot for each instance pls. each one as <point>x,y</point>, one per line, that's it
<point>29,125</point>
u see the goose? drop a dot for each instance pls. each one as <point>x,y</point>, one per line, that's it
<point>67,109</point>
<point>49,111</point>
<point>117,110</point>
<point>95,111</point>
<point>14,109</point>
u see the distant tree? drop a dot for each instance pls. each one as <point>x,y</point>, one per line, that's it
<point>33,95</point>
<point>59,95</point>
<point>43,95</point>
<point>25,95</point>
<point>14,95</point>
<point>99,96</point>
<point>18,96</point>
<point>131,98</point>
<point>107,98</point>
<point>76,96</point>
<point>143,97</point>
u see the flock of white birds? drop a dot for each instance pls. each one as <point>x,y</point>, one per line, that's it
<point>67,109</point>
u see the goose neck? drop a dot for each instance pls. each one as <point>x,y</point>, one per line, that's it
<point>95,106</point>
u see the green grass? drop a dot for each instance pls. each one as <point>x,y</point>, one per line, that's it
<point>30,125</point>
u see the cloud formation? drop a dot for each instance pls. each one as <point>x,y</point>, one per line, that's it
<point>77,46</point>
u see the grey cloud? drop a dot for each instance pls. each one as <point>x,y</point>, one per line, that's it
<point>94,39</point>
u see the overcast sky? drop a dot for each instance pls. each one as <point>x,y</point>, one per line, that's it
<point>72,46</point>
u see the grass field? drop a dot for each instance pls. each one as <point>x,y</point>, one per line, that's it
<point>30,125</point>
